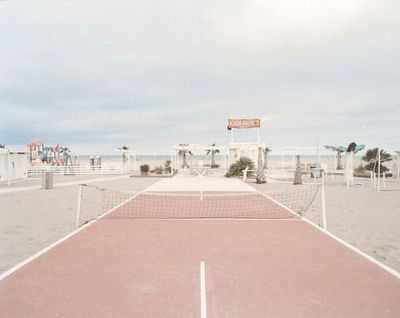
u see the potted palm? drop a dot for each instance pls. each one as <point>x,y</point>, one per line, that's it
<point>266,151</point>
<point>144,170</point>
<point>213,150</point>
<point>339,150</point>
<point>125,154</point>
<point>183,152</point>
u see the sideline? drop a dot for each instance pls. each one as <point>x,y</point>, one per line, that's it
<point>203,297</point>
<point>339,240</point>
<point>51,246</point>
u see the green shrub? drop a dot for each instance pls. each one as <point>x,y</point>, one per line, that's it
<point>236,168</point>
<point>371,156</point>
<point>158,170</point>
<point>167,166</point>
<point>145,168</point>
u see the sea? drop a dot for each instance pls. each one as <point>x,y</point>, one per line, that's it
<point>274,161</point>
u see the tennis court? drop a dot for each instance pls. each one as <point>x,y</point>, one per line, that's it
<point>200,261</point>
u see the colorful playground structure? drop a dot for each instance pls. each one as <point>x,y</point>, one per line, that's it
<point>40,153</point>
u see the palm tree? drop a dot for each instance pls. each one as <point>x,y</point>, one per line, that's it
<point>182,153</point>
<point>339,150</point>
<point>213,150</point>
<point>371,156</point>
<point>260,167</point>
<point>125,150</point>
<point>298,172</point>
<point>67,156</point>
<point>266,151</point>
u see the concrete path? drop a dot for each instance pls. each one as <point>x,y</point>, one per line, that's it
<point>194,183</point>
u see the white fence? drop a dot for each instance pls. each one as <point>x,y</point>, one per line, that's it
<point>83,170</point>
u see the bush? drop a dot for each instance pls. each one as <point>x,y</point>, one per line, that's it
<point>371,157</point>
<point>360,171</point>
<point>167,166</point>
<point>236,168</point>
<point>145,168</point>
<point>158,170</point>
<point>374,167</point>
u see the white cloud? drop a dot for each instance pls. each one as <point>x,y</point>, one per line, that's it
<point>153,73</point>
<point>277,25</point>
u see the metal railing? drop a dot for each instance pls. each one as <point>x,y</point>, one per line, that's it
<point>82,170</point>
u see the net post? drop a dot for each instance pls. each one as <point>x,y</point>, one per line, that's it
<point>324,226</point>
<point>78,208</point>
<point>384,179</point>
<point>372,180</point>
<point>172,163</point>
<point>347,171</point>
<point>379,169</point>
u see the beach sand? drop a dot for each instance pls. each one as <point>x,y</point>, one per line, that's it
<point>368,220</point>
<point>33,219</point>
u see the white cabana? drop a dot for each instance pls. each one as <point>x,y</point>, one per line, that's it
<point>181,155</point>
<point>244,149</point>
<point>309,151</point>
<point>13,165</point>
<point>396,165</point>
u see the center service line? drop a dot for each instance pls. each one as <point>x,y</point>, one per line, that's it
<point>203,301</point>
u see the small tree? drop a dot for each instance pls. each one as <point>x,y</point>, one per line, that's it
<point>159,170</point>
<point>144,169</point>
<point>2,146</point>
<point>183,153</point>
<point>266,151</point>
<point>339,150</point>
<point>66,152</point>
<point>212,150</point>
<point>125,151</point>
<point>371,156</point>
<point>167,166</point>
<point>298,172</point>
<point>260,167</point>
<point>236,168</point>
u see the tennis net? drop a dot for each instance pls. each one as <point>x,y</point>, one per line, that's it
<point>115,204</point>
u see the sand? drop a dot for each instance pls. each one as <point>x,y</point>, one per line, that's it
<point>368,220</point>
<point>33,219</point>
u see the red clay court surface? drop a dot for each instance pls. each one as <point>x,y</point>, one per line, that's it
<point>150,268</point>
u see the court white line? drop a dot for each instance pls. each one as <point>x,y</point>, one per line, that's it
<point>48,248</point>
<point>339,240</point>
<point>203,295</point>
<point>198,219</point>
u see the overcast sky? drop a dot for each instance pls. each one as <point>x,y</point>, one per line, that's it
<point>95,75</point>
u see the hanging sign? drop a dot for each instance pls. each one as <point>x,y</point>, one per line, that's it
<point>243,123</point>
